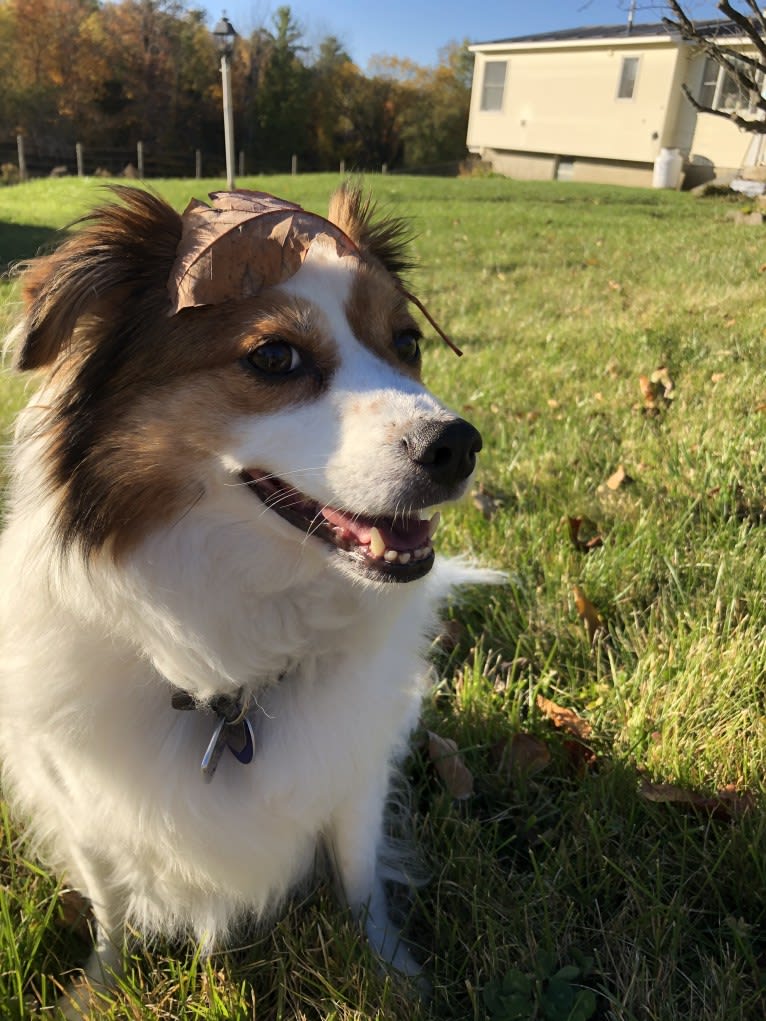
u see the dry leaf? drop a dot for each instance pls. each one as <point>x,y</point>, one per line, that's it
<point>450,634</point>
<point>563,718</point>
<point>589,615</point>
<point>658,390</point>
<point>75,914</point>
<point>728,803</point>
<point>521,755</point>
<point>242,243</point>
<point>488,503</point>
<point>584,534</point>
<point>618,478</point>
<point>580,756</point>
<point>448,763</point>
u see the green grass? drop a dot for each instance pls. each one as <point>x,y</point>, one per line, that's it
<point>561,296</point>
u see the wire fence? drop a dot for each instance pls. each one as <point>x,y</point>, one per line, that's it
<point>25,160</point>
<point>30,160</point>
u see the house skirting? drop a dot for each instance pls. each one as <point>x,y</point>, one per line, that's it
<point>532,166</point>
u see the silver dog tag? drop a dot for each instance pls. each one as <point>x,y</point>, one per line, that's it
<point>214,750</point>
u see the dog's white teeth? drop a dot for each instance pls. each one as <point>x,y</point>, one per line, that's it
<point>404,558</point>
<point>377,546</point>
<point>433,524</point>
<point>421,553</point>
<point>391,556</point>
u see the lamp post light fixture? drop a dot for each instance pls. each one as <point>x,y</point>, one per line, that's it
<point>224,34</point>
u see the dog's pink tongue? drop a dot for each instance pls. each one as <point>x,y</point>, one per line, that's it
<point>406,535</point>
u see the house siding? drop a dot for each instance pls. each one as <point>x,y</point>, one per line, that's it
<point>567,104</point>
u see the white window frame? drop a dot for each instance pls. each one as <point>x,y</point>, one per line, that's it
<point>719,91</point>
<point>493,93</point>
<point>624,79</point>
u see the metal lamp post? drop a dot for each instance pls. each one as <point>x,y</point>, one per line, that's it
<point>224,34</point>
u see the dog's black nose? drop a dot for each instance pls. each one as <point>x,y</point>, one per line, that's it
<point>447,450</point>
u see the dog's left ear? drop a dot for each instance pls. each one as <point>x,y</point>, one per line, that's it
<point>386,239</point>
<point>119,260</point>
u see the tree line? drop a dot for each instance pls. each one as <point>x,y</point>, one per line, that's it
<point>111,74</point>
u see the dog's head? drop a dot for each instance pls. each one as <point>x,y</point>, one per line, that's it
<point>246,354</point>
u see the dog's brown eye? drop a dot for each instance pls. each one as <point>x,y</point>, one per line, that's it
<point>407,345</point>
<point>274,357</point>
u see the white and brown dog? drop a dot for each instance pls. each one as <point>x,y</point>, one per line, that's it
<point>209,657</point>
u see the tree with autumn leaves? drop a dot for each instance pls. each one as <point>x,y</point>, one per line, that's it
<point>110,74</point>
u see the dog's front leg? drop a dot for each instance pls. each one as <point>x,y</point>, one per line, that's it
<point>104,965</point>
<point>354,841</point>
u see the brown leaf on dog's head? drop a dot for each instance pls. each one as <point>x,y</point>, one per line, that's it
<point>242,243</point>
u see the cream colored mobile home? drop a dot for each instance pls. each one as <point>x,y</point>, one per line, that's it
<point>607,104</point>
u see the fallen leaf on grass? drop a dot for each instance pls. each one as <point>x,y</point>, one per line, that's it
<point>448,763</point>
<point>584,534</point>
<point>618,478</point>
<point>658,390</point>
<point>563,718</point>
<point>521,755</point>
<point>589,615</point>
<point>726,804</point>
<point>485,501</point>
<point>450,634</point>
<point>580,756</point>
<point>75,914</point>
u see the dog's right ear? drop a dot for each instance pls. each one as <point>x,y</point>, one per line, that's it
<point>122,255</point>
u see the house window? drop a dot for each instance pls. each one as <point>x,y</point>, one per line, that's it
<point>628,75</point>
<point>719,89</point>
<point>494,85</point>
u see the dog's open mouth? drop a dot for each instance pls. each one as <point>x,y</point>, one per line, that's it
<point>391,550</point>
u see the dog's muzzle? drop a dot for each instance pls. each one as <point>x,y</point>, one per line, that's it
<point>439,455</point>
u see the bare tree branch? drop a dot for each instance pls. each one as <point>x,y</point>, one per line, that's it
<point>745,24</point>
<point>745,71</point>
<point>757,15</point>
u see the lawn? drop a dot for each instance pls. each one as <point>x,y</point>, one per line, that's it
<point>610,701</point>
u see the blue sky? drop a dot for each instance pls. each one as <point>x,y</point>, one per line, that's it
<point>419,28</point>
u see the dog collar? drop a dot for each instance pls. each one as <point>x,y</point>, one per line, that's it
<point>232,728</point>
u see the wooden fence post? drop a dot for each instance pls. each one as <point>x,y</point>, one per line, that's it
<point>140,159</point>
<point>342,167</point>
<point>198,163</point>
<point>294,165</point>
<point>241,162</point>
<point>78,157</point>
<point>22,157</point>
